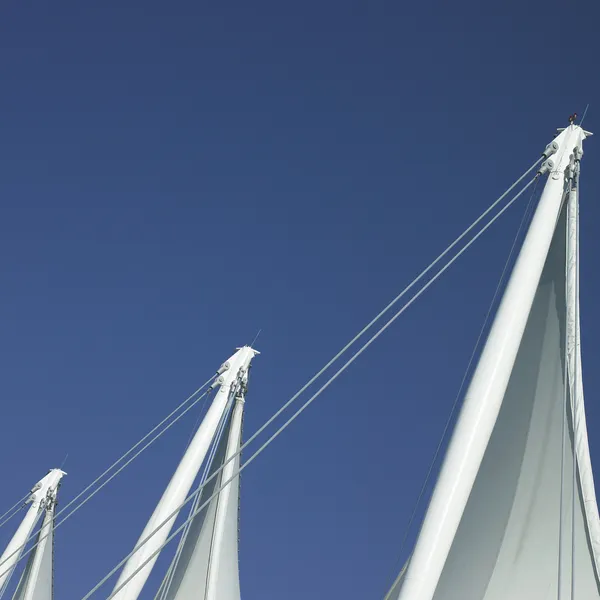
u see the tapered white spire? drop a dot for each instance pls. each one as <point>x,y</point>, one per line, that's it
<point>43,498</point>
<point>233,376</point>
<point>492,529</point>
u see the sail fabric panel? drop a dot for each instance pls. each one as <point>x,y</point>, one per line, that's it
<point>190,577</point>
<point>37,580</point>
<point>507,543</point>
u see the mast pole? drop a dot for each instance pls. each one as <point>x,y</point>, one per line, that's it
<point>43,496</point>
<point>232,376</point>
<point>233,444</point>
<point>487,388</point>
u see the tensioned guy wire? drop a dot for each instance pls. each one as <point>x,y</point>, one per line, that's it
<point>123,466</point>
<point>13,510</point>
<point>323,369</point>
<point>415,296</point>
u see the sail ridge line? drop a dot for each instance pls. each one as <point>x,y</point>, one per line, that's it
<point>88,498</point>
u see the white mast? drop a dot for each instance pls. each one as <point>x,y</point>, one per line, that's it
<point>234,374</point>
<point>233,443</point>
<point>43,497</point>
<point>488,386</point>
<point>206,567</point>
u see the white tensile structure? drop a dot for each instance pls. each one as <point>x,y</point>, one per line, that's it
<point>513,515</point>
<point>207,559</point>
<point>36,582</point>
<point>206,562</point>
<point>508,518</point>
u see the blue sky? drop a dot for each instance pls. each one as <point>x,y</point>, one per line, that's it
<point>176,176</point>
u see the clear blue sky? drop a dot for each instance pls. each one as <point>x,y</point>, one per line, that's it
<point>177,175</point>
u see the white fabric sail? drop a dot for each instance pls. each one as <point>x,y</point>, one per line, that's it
<point>37,580</point>
<point>521,532</point>
<point>507,544</point>
<point>232,382</point>
<point>207,567</point>
<point>42,498</point>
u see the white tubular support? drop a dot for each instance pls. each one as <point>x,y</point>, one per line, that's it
<point>43,496</point>
<point>233,373</point>
<point>233,444</point>
<point>44,539</point>
<point>487,388</point>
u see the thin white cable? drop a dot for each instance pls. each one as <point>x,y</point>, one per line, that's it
<point>293,398</point>
<point>332,360</point>
<point>382,312</point>
<point>385,310</point>
<point>16,509</point>
<point>415,296</point>
<point>92,494</point>
<point>15,505</point>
